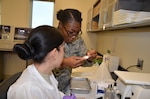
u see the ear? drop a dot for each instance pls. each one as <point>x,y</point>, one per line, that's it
<point>54,53</point>
<point>60,25</point>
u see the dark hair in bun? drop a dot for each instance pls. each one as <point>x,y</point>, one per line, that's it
<point>69,14</point>
<point>41,41</point>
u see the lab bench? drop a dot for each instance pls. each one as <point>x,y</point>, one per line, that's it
<point>131,85</point>
<point>85,72</point>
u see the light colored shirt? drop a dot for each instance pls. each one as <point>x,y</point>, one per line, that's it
<point>31,85</point>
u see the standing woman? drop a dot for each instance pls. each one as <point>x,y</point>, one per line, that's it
<point>45,46</point>
<point>70,22</point>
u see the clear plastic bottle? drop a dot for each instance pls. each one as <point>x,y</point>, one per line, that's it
<point>106,57</point>
<point>109,93</point>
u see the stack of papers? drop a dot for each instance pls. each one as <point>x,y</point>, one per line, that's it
<point>123,16</point>
<point>127,16</point>
<point>142,16</point>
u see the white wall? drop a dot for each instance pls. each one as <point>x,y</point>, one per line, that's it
<point>15,13</point>
<point>129,44</point>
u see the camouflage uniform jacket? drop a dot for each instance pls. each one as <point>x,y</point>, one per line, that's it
<point>63,75</point>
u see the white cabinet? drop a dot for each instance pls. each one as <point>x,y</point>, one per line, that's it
<point>100,15</point>
<point>116,14</point>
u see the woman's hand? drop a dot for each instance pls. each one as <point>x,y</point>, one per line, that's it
<point>73,61</point>
<point>92,54</point>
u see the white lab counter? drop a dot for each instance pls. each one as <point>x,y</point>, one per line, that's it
<point>95,74</point>
<point>86,72</point>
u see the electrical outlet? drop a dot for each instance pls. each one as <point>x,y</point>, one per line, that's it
<point>140,63</point>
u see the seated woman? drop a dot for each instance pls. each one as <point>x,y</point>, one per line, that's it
<point>45,46</point>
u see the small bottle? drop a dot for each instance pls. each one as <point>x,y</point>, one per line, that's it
<point>109,92</point>
<point>108,51</point>
<point>106,58</point>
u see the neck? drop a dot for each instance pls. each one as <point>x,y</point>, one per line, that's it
<point>44,68</point>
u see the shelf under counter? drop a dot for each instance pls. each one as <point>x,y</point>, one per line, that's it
<point>6,45</point>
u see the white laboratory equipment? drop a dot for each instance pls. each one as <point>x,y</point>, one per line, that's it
<point>132,85</point>
<point>100,78</point>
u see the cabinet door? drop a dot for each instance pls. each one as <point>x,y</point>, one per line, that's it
<point>96,16</point>
<point>89,20</point>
